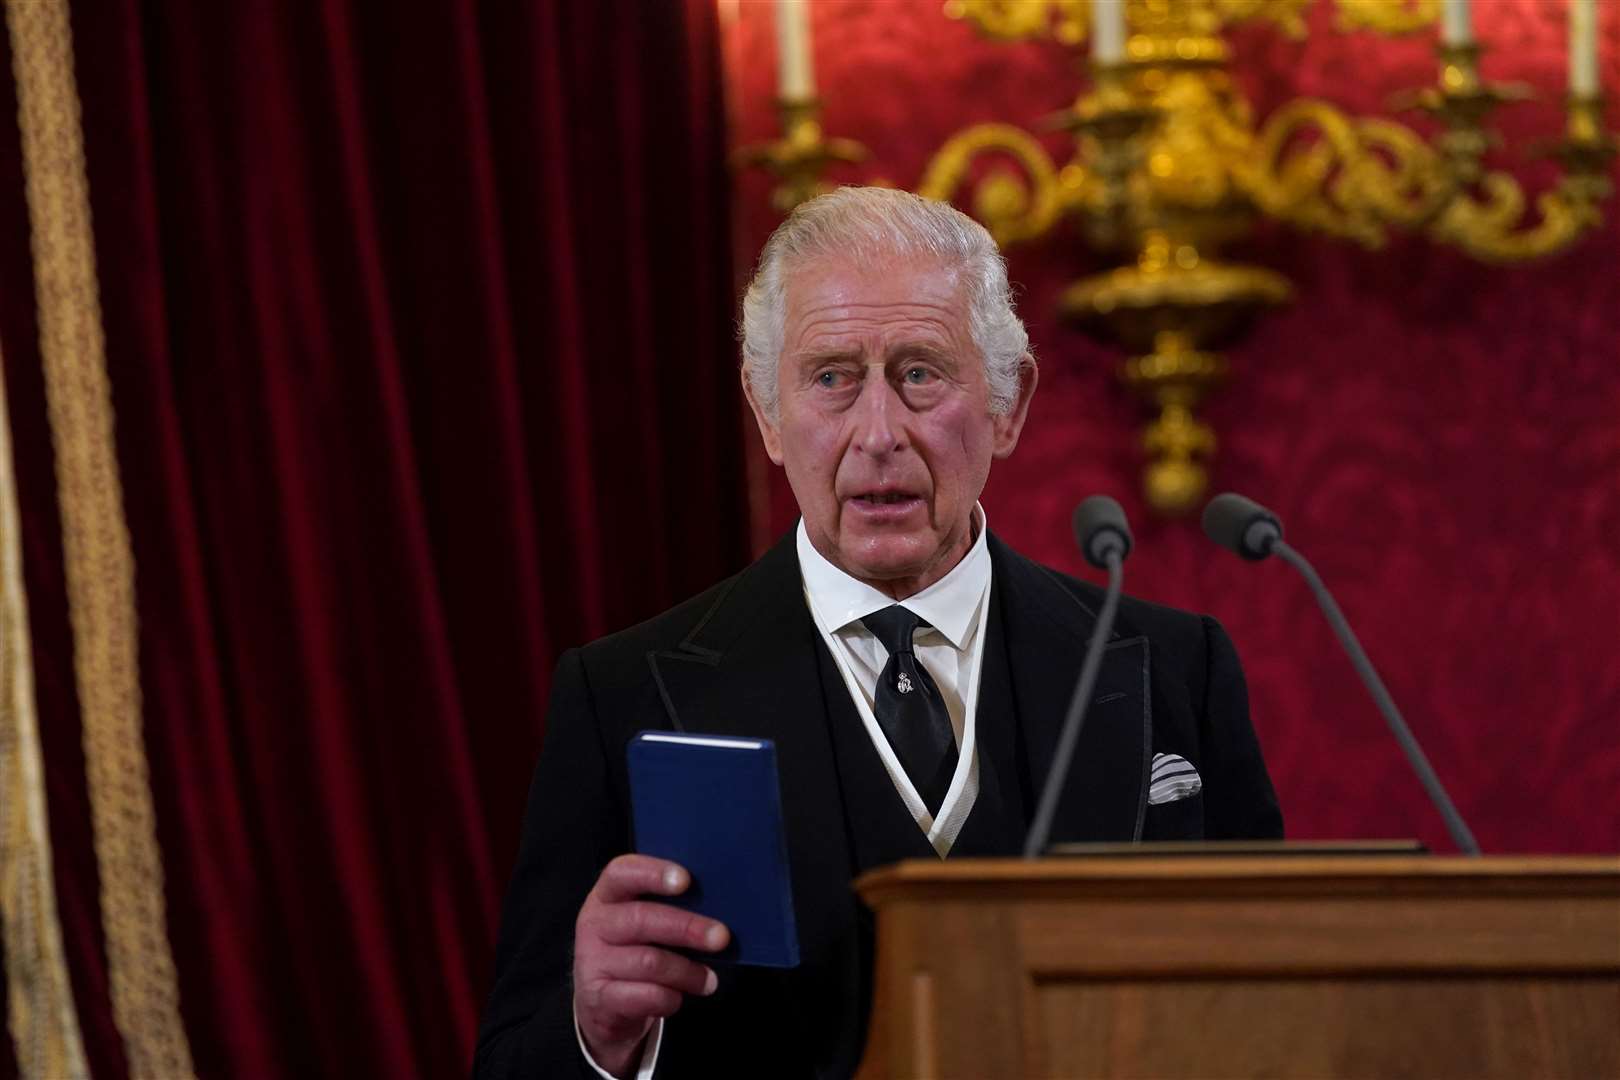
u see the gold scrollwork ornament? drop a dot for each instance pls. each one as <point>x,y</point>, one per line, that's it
<point>1393,17</point>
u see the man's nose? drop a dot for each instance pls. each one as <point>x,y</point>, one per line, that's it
<point>879,417</point>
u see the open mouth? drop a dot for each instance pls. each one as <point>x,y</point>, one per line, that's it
<point>883,504</point>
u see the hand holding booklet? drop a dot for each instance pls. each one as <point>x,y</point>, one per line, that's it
<point>713,805</point>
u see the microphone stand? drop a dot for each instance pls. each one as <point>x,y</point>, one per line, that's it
<point>1460,834</point>
<point>1041,828</point>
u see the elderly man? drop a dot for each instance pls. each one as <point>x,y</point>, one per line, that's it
<point>912,669</point>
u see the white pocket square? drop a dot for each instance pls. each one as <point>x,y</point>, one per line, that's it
<point>1173,779</point>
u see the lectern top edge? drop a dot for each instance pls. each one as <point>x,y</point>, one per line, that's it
<point>1595,875</point>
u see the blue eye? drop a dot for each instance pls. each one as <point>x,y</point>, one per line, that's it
<point>917,376</point>
<point>828,379</point>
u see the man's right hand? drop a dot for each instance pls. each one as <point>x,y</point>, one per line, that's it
<point>623,981</point>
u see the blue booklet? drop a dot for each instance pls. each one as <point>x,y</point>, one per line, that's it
<point>712,804</point>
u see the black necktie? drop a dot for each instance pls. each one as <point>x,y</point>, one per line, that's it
<point>910,710</point>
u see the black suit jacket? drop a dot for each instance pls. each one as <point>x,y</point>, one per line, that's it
<point>746,658</point>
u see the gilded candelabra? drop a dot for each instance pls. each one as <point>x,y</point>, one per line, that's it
<point>1170,167</point>
<point>800,157</point>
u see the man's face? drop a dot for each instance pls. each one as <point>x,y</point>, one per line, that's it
<point>885,428</point>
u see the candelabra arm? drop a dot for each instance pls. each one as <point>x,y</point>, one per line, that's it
<point>1360,177</point>
<point>1486,225</point>
<point>1357,179</point>
<point>1013,207</point>
<point>1486,222</point>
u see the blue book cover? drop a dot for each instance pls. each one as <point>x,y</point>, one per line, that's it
<point>712,804</point>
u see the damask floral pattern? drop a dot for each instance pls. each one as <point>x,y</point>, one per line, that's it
<point>1441,438</point>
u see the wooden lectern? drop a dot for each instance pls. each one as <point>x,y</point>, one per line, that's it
<point>1275,966</point>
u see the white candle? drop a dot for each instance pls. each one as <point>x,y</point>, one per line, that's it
<point>1454,25</point>
<point>796,78</point>
<point>1107,31</point>
<point>1583,69</point>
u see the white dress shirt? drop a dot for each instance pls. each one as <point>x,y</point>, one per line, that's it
<point>649,1051</point>
<point>955,607</point>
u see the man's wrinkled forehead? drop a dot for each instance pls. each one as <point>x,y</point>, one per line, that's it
<point>893,285</point>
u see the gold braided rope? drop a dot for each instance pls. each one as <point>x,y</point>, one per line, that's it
<point>100,568</point>
<point>44,1022</point>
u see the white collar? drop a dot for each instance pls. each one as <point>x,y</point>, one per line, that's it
<point>950,605</point>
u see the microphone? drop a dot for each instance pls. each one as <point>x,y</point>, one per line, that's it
<point>1100,530</point>
<point>1245,527</point>
<point>1241,525</point>
<point>1105,540</point>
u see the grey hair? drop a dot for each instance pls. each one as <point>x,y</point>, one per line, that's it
<point>863,223</point>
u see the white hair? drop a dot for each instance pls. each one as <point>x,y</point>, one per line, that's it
<point>867,223</point>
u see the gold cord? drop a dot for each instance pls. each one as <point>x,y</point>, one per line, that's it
<point>100,567</point>
<point>44,1022</point>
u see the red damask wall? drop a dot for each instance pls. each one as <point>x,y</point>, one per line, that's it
<point>1441,438</point>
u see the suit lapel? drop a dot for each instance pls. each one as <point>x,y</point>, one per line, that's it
<point>1047,628</point>
<point>749,668</point>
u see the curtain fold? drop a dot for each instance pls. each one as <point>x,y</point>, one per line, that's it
<point>418,328</point>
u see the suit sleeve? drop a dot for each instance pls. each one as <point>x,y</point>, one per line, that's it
<point>572,827</point>
<point>1239,803</point>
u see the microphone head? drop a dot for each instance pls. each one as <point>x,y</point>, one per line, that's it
<point>1241,525</point>
<point>1100,528</point>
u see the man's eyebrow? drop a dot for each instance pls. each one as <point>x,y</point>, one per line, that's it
<point>817,357</point>
<point>899,353</point>
<point>924,350</point>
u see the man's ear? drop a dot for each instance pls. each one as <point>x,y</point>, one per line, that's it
<point>1008,425</point>
<point>768,431</point>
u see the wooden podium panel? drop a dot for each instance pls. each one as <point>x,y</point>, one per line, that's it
<point>1279,966</point>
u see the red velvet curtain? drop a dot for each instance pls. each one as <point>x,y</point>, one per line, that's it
<point>418,326</point>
